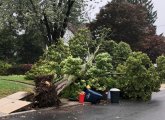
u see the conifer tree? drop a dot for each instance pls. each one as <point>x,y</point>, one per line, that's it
<point>152,15</point>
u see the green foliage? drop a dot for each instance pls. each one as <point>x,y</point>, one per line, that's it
<point>97,72</point>
<point>94,77</point>
<point>19,69</point>
<point>119,52</point>
<point>26,27</point>
<point>49,63</point>
<point>48,17</point>
<point>72,91</point>
<point>42,68</point>
<point>7,42</point>
<point>101,66</point>
<point>109,46</point>
<point>4,66</point>
<point>161,67</point>
<point>29,46</point>
<point>80,44</point>
<point>123,51</point>
<point>139,77</point>
<point>71,66</point>
<point>101,85</point>
<point>57,52</point>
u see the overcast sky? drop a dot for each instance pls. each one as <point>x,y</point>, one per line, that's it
<point>159,5</point>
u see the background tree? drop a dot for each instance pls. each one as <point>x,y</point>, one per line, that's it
<point>7,43</point>
<point>37,24</point>
<point>50,17</point>
<point>152,15</point>
<point>153,45</point>
<point>126,26</point>
<point>29,47</point>
<point>130,21</point>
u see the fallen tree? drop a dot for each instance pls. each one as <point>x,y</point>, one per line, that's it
<point>83,62</point>
<point>69,70</point>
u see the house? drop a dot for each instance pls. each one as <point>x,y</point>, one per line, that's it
<point>71,31</point>
<point>69,34</point>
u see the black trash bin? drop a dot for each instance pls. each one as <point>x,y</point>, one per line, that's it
<point>115,95</point>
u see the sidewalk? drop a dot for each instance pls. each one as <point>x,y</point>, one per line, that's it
<point>162,87</point>
<point>13,103</point>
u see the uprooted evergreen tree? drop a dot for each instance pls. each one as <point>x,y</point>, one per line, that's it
<point>86,62</point>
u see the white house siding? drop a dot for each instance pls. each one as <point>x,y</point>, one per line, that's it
<point>67,36</point>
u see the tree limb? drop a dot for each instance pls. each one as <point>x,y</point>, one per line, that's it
<point>33,7</point>
<point>48,29</point>
<point>60,3</point>
<point>70,5</point>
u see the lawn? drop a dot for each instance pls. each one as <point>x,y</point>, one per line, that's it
<point>17,78</point>
<point>14,83</point>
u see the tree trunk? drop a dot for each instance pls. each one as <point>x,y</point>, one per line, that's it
<point>69,79</point>
<point>61,85</point>
<point>47,92</point>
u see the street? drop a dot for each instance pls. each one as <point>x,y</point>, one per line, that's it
<point>126,110</point>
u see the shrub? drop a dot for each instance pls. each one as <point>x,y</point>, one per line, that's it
<point>4,66</point>
<point>19,69</point>
<point>161,67</point>
<point>139,77</point>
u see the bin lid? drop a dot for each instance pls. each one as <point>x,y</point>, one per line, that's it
<point>88,87</point>
<point>114,89</point>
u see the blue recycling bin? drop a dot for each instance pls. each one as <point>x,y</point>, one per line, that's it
<point>92,96</point>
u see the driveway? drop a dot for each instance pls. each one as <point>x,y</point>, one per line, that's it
<point>126,110</point>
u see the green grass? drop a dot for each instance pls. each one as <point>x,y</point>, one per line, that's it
<point>14,83</point>
<point>8,87</point>
<point>17,78</point>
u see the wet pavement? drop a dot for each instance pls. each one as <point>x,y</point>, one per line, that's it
<point>126,110</point>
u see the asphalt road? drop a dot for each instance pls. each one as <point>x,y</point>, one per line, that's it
<point>126,110</point>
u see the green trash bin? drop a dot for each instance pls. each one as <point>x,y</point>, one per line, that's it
<point>115,95</point>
